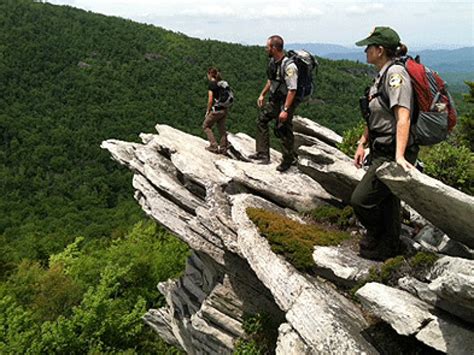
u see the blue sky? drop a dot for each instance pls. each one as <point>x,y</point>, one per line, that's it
<point>421,24</point>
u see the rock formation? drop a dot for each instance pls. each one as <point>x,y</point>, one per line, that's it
<point>232,272</point>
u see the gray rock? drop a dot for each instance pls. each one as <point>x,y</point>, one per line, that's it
<point>202,198</point>
<point>448,337</point>
<point>452,280</point>
<point>289,342</point>
<point>243,145</point>
<point>326,321</point>
<point>341,265</point>
<point>291,189</point>
<point>445,207</point>
<point>410,316</point>
<point>405,313</point>
<point>335,172</point>
<point>313,129</point>
<point>436,241</point>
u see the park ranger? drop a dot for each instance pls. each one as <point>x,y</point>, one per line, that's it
<point>281,85</point>
<point>387,107</point>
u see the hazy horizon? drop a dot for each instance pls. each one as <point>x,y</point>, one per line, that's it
<point>421,24</point>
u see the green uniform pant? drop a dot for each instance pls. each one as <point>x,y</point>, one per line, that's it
<point>269,112</point>
<point>377,208</point>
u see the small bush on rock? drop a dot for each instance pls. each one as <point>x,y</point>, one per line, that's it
<point>293,240</point>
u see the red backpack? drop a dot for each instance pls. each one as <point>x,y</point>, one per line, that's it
<point>434,114</point>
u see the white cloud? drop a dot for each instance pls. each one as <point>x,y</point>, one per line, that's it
<point>335,21</point>
<point>363,9</point>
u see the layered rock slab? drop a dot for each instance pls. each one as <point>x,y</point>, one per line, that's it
<point>409,315</point>
<point>326,321</point>
<point>447,208</point>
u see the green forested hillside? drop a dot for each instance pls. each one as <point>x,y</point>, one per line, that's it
<point>70,79</point>
<point>78,261</point>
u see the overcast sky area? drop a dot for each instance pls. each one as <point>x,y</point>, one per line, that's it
<point>421,24</point>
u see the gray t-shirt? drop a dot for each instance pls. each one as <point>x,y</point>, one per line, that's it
<point>398,89</point>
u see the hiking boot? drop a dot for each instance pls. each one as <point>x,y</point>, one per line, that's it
<point>212,149</point>
<point>261,157</point>
<point>286,164</point>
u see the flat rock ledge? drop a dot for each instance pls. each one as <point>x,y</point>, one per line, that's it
<point>409,315</point>
<point>341,265</point>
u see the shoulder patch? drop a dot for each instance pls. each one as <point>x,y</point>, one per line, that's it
<point>395,80</point>
<point>290,70</point>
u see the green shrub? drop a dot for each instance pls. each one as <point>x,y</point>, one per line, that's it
<point>451,164</point>
<point>293,240</point>
<point>350,138</point>
<point>395,268</point>
<point>333,215</point>
<point>258,335</point>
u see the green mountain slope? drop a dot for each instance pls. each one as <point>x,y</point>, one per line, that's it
<point>70,79</point>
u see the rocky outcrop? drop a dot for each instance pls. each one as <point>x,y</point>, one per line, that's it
<point>447,208</point>
<point>449,286</point>
<point>232,272</point>
<point>409,315</point>
<point>326,321</point>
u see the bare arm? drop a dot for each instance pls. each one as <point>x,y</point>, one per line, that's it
<point>360,152</point>
<point>210,101</point>
<point>403,131</point>
<point>290,98</point>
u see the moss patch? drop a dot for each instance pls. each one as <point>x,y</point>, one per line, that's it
<point>395,268</point>
<point>341,218</point>
<point>293,240</point>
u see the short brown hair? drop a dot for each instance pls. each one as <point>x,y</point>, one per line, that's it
<point>276,42</point>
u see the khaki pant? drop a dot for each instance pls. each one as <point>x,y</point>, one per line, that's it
<point>212,118</point>
<point>270,112</point>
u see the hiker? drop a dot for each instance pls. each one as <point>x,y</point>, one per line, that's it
<point>282,80</point>
<point>387,135</point>
<point>215,113</point>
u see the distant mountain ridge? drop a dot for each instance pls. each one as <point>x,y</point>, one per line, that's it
<point>457,65</point>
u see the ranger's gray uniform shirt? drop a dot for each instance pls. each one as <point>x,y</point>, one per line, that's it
<point>290,78</point>
<point>398,89</point>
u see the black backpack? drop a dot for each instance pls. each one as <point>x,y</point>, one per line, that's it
<point>306,64</point>
<point>226,96</point>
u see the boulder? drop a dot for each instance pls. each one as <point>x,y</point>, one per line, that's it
<point>341,265</point>
<point>335,172</point>
<point>409,315</point>
<point>447,208</point>
<point>313,129</point>
<point>289,342</point>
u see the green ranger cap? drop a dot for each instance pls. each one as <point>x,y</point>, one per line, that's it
<point>381,36</point>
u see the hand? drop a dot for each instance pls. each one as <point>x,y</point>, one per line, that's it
<point>359,156</point>
<point>404,163</point>
<point>283,116</point>
<point>260,101</point>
